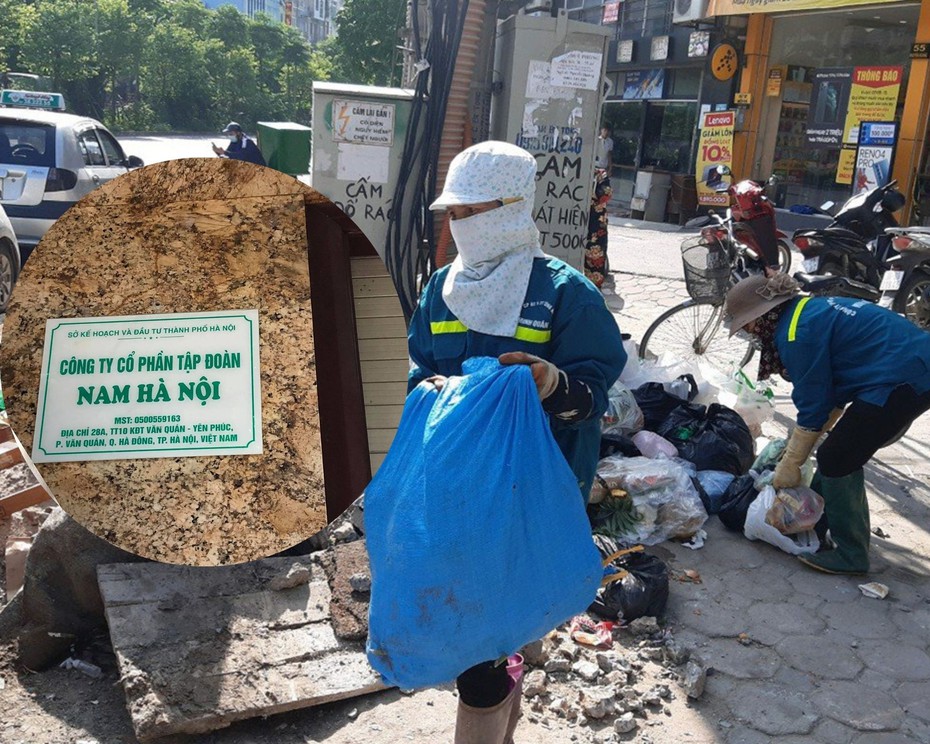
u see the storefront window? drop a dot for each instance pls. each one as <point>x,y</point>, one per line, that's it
<point>806,46</point>
<point>667,136</point>
<point>643,18</point>
<point>625,121</point>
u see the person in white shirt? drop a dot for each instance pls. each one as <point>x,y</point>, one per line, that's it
<point>603,151</point>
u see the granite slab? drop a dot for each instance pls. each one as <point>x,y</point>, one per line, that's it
<point>192,235</point>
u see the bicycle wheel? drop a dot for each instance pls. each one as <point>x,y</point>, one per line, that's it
<point>694,332</point>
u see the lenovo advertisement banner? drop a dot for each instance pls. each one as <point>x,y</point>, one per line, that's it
<point>714,148</point>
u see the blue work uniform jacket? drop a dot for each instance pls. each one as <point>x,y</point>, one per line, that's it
<point>564,320</point>
<point>837,350</point>
<point>245,149</point>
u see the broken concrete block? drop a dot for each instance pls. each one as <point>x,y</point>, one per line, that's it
<point>534,683</point>
<point>587,670</point>
<point>693,679</point>
<point>349,607</point>
<point>644,626</point>
<point>625,723</point>
<point>297,575</point>
<point>61,600</point>
<point>230,648</point>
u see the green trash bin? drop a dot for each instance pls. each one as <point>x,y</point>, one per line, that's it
<point>285,145</point>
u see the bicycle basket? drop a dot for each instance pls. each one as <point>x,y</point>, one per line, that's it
<point>707,269</point>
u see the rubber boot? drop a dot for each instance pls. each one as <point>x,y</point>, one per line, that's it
<point>847,512</point>
<point>489,725</point>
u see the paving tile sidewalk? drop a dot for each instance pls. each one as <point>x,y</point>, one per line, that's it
<point>798,656</point>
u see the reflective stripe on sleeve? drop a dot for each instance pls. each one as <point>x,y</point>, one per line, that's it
<point>532,335</point>
<point>447,326</point>
<point>795,316</point>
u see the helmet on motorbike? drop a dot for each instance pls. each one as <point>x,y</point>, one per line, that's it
<point>893,200</point>
<point>755,295</point>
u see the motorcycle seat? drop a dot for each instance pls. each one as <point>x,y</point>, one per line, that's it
<point>842,286</point>
<point>841,233</point>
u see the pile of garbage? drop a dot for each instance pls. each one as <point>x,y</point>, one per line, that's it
<point>679,445</point>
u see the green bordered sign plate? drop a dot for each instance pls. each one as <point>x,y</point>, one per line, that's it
<point>141,386</point>
<point>32,99</point>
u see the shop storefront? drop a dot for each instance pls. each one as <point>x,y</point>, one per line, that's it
<point>662,78</point>
<point>816,71</point>
<point>652,120</point>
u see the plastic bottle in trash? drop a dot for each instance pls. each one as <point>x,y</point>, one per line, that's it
<point>91,670</point>
<point>680,388</point>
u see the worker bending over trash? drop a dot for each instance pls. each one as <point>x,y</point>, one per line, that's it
<point>836,352</point>
<point>503,297</point>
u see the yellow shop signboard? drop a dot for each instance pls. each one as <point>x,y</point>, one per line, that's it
<point>742,7</point>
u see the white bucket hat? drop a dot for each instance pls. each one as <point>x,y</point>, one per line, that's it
<point>486,172</point>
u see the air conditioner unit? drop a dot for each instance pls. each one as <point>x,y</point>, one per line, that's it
<point>686,11</point>
<point>538,6</point>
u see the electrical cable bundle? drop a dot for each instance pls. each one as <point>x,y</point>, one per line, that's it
<point>409,250</point>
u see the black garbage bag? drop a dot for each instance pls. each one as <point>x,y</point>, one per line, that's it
<point>735,503</point>
<point>715,439</point>
<point>613,444</point>
<point>656,402</point>
<point>702,495</point>
<point>643,592</point>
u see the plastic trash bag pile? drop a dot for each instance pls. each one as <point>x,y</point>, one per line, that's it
<point>679,445</point>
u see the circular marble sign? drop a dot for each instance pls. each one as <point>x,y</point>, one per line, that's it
<point>166,405</point>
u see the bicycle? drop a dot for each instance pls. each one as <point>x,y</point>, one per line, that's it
<point>694,329</point>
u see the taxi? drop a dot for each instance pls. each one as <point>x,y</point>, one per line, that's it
<point>49,160</point>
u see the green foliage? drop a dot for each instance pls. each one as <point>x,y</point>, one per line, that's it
<point>12,16</point>
<point>365,51</point>
<point>151,64</point>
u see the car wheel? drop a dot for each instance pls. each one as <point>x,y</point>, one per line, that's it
<point>7,273</point>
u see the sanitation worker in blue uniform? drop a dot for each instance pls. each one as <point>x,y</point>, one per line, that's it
<point>859,372</point>
<point>503,297</point>
<point>241,147</point>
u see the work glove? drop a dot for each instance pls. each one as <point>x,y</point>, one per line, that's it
<point>545,374</point>
<point>798,449</point>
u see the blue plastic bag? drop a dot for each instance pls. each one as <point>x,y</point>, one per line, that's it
<point>476,530</point>
<point>715,484</point>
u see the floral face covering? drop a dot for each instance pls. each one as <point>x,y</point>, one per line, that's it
<point>764,335</point>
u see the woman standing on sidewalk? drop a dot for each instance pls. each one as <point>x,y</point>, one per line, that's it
<point>836,352</point>
<point>595,248</point>
<point>503,297</point>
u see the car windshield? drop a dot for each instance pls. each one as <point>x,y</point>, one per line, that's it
<point>26,143</point>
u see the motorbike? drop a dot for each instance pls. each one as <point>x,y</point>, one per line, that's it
<point>854,244</point>
<point>749,221</point>
<point>905,286</point>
